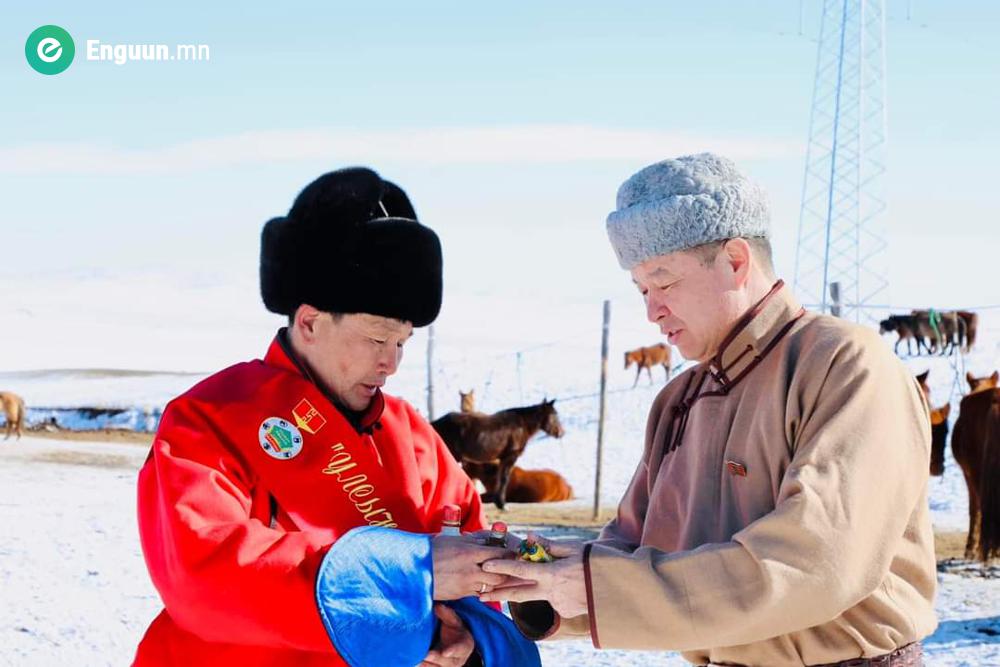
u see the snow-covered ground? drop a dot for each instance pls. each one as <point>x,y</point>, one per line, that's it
<point>74,588</point>
<point>72,582</point>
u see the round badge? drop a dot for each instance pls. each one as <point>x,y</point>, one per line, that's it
<point>279,438</point>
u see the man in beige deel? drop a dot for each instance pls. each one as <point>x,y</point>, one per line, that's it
<point>778,515</point>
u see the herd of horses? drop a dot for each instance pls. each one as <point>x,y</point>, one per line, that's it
<point>975,438</point>
<point>975,444</point>
<point>936,332</point>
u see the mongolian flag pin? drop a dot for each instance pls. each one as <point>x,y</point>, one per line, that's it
<point>736,469</point>
<point>307,417</point>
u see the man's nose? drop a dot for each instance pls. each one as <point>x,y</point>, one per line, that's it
<point>655,308</point>
<point>389,359</point>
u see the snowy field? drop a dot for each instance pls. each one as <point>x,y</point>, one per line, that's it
<point>75,590</point>
<point>72,582</point>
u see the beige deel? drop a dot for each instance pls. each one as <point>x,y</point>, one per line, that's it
<point>790,525</point>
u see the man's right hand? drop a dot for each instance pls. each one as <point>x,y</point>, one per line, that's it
<point>456,567</point>
<point>456,643</point>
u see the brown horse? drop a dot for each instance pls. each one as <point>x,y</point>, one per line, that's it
<point>467,400</point>
<point>498,438</point>
<point>939,427</point>
<point>13,409</point>
<point>525,486</point>
<point>971,325</point>
<point>945,330</point>
<point>939,436</point>
<point>975,443</point>
<point>647,357</point>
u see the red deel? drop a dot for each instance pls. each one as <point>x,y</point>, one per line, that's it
<point>233,533</point>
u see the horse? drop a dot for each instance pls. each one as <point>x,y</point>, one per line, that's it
<point>956,329</point>
<point>971,324</point>
<point>647,357</point>
<point>939,436</point>
<point>945,329</point>
<point>525,486</point>
<point>905,327</point>
<point>927,331</point>
<point>467,401</point>
<point>975,443</point>
<point>498,438</point>
<point>939,427</point>
<point>983,383</point>
<point>13,409</point>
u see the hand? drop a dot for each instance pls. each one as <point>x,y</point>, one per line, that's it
<point>456,567</point>
<point>561,582</point>
<point>455,644</point>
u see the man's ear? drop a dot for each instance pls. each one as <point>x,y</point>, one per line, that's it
<point>738,256</point>
<point>305,321</point>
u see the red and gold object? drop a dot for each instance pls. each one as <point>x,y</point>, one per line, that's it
<point>498,535</point>
<point>451,523</point>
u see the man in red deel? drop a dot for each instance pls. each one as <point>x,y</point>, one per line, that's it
<point>288,508</point>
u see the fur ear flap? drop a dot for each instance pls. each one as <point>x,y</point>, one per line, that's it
<point>278,275</point>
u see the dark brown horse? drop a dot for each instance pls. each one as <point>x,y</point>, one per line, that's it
<point>939,427</point>
<point>975,443</point>
<point>498,438</point>
<point>939,436</point>
<point>945,330</point>
<point>905,327</point>
<point>525,486</point>
<point>971,325</point>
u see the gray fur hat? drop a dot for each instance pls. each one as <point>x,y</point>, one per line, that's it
<point>679,204</point>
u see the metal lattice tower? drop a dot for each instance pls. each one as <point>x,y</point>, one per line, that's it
<point>842,195</point>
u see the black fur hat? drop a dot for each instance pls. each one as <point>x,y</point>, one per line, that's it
<point>351,244</point>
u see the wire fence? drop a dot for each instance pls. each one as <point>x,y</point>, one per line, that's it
<point>567,368</point>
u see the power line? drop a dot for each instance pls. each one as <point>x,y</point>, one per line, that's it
<point>860,306</point>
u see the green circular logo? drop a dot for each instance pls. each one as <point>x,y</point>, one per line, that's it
<point>49,49</point>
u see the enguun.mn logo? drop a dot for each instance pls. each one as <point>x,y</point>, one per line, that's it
<point>49,49</point>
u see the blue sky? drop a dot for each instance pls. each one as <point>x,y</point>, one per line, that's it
<point>511,129</point>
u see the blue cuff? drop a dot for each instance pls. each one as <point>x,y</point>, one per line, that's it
<point>498,640</point>
<point>374,591</point>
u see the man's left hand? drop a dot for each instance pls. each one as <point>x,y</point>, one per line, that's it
<point>561,582</point>
<point>455,645</point>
